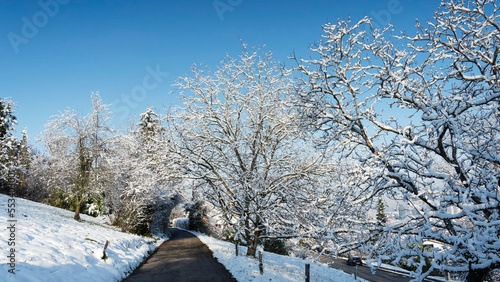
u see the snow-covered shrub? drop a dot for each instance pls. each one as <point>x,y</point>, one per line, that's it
<point>198,220</point>
<point>277,246</point>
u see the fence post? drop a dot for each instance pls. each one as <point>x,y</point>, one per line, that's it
<point>236,248</point>
<point>308,272</point>
<point>261,266</point>
<point>104,256</point>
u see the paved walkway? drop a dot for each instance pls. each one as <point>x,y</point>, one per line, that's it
<point>182,258</point>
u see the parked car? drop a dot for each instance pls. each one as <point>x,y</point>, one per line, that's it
<point>354,261</point>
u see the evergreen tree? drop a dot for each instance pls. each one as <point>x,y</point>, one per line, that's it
<point>7,119</point>
<point>150,135</point>
<point>23,157</point>
<point>381,220</point>
<point>152,162</point>
<point>150,126</point>
<point>381,217</point>
<point>9,146</point>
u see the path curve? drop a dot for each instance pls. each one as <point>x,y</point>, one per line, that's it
<point>182,258</point>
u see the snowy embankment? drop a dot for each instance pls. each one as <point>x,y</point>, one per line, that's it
<point>276,267</point>
<point>45,243</point>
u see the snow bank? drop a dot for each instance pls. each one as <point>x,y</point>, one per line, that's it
<point>276,267</point>
<point>51,246</point>
<point>394,269</point>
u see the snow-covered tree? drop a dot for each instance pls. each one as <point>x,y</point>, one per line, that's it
<point>120,196</point>
<point>38,177</point>
<point>237,137</point>
<point>381,216</point>
<point>7,118</point>
<point>439,149</point>
<point>142,192</point>
<point>76,145</point>
<point>13,152</point>
<point>23,158</point>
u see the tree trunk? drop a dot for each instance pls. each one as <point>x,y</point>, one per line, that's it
<point>252,248</point>
<point>77,211</point>
<point>253,243</point>
<point>477,275</point>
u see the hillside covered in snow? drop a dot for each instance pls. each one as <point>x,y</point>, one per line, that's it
<point>46,244</point>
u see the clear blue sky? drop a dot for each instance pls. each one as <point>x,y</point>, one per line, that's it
<point>53,55</point>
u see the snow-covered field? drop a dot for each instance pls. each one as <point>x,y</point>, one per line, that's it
<point>276,267</point>
<point>47,244</point>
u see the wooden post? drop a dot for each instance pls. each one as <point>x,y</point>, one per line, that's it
<point>308,272</point>
<point>261,266</point>
<point>236,248</point>
<point>104,256</point>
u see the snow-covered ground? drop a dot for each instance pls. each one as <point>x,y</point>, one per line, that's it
<point>46,244</point>
<point>276,267</point>
<point>51,246</point>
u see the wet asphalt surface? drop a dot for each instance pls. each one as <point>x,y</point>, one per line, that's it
<point>182,258</point>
